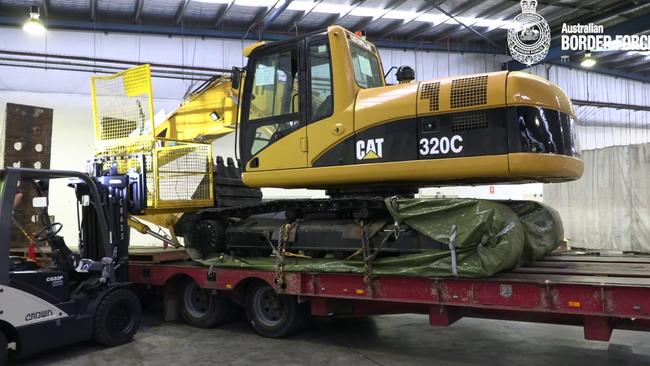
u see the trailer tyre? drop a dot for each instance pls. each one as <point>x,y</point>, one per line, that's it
<point>274,315</point>
<point>117,318</point>
<point>203,309</point>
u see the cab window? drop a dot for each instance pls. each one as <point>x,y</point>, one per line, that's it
<point>320,74</point>
<point>275,86</point>
<point>367,70</point>
<point>269,133</point>
<point>275,103</point>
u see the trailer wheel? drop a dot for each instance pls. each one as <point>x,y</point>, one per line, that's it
<point>274,315</point>
<point>117,318</point>
<point>203,309</point>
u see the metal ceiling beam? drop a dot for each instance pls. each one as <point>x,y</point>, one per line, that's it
<point>355,4</point>
<point>180,13</point>
<point>138,11</point>
<point>610,57</point>
<point>630,62</point>
<point>466,6</point>
<point>551,20</point>
<point>89,26</point>
<point>273,15</point>
<point>602,15</point>
<point>456,12</point>
<point>562,5</point>
<point>392,26</point>
<point>603,56</point>
<point>484,14</point>
<point>328,21</point>
<point>424,28</point>
<point>304,15</point>
<point>124,63</point>
<point>632,107</point>
<point>496,46</point>
<point>257,19</point>
<point>500,36</point>
<point>558,17</point>
<point>604,71</point>
<point>631,26</point>
<point>644,68</point>
<point>422,10</point>
<point>293,22</point>
<point>394,4</point>
<point>93,10</point>
<point>614,10</point>
<point>221,14</point>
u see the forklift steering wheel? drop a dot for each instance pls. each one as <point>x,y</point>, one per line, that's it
<point>49,231</point>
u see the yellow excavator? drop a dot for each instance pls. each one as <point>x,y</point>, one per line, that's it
<point>315,111</point>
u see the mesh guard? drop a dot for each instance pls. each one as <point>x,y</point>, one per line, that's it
<point>178,174</point>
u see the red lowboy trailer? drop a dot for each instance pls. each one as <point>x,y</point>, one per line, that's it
<point>600,293</point>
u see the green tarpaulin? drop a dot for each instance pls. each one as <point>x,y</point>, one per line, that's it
<point>491,237</point>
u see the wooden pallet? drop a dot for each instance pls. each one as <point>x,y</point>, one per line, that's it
<point>157,254</point>
<point>567,266</point>
<point>136,254</point>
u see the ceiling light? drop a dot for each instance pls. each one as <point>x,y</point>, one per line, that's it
<point>34,24</point>
<point>301,6</point>
<point>433,18</point>
<point>588,61</point>
<point>331,8</point>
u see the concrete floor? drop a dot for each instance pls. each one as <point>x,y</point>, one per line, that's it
<point>382,340</point>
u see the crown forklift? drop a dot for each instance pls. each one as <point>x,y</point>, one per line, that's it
<point>81,295</point>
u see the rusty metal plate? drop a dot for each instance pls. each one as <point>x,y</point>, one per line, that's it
<point>27,141</point>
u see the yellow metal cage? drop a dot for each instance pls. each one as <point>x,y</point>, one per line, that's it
<point>178,174</point>
<point>123,110</point>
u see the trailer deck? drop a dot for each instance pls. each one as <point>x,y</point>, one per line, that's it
<point>599,293</point>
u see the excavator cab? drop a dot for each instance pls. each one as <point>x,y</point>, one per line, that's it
<point>316,112</point>
<point>289,87</point>
<point>288,97</point>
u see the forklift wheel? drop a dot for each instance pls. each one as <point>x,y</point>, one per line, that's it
<point>117,318</point>
<point>274,315</point>
<point>203,309</point>
<point>3,348</point>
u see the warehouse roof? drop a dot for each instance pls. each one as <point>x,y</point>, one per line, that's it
<point>456,25</point>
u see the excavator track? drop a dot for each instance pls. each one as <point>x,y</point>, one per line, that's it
<point>318,227</point>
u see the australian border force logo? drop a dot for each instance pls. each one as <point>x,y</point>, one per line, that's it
<point>530,36</point>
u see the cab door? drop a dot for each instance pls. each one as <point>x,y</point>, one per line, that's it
<point>273,133</point>
<point>330,106</point>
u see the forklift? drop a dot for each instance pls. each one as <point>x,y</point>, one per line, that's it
<point>82,294</point>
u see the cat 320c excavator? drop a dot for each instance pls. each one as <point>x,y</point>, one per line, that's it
<point>316,112</point>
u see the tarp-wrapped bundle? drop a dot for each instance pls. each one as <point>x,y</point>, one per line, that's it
<point>490,237</point>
